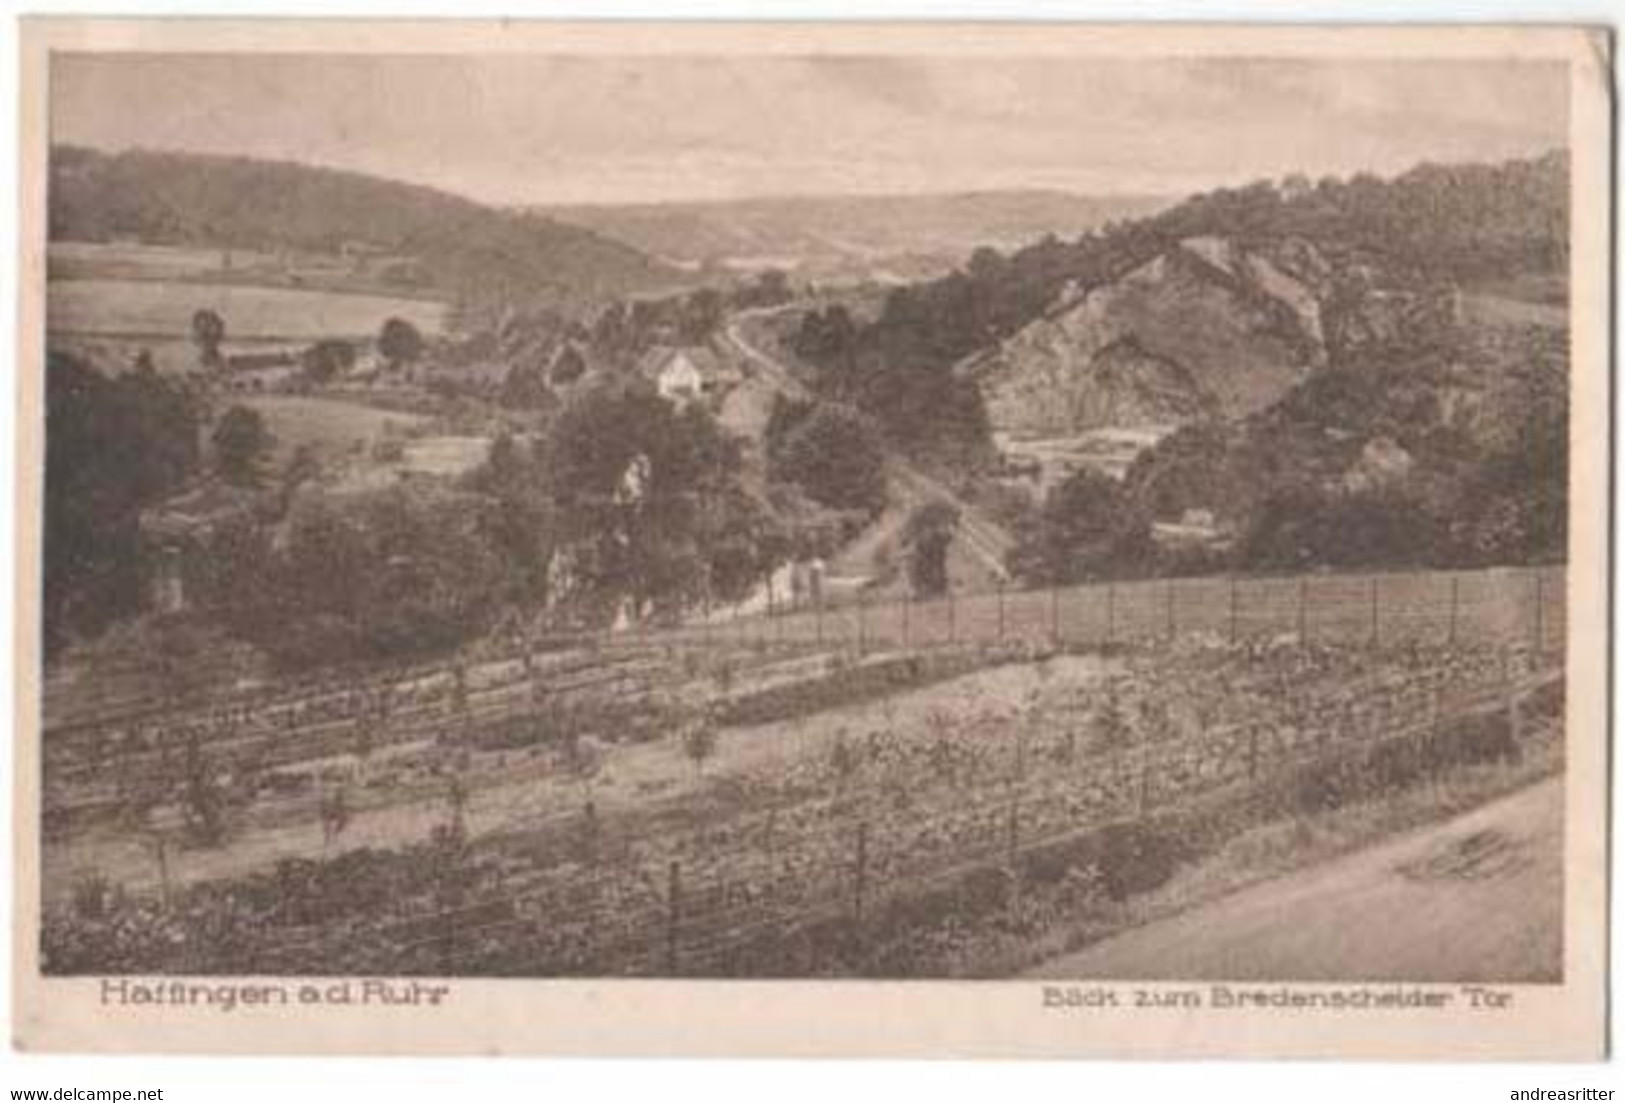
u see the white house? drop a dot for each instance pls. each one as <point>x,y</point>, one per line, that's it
<point>684,375</point>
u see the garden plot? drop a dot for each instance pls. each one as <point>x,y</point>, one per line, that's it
<point>567,870</point>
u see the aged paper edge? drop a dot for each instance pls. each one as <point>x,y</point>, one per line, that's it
<point>862,1018</point>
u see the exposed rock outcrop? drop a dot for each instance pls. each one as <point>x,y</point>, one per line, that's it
<point>1209,327</point>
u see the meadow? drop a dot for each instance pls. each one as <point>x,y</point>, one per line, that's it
<point>162,309</point>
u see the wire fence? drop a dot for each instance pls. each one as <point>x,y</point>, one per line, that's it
<point>91,768</point>
<point>1525,604</point>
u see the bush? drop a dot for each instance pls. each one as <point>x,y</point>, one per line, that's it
<point>1136,858</point>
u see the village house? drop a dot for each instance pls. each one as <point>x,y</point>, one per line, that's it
<point>262,370</point>
<point>687,374</point>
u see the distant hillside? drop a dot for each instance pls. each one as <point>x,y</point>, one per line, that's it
<point>876,236</point>
<point>470,252</point>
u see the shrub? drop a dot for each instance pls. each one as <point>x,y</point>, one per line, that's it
<point>1136,858</point>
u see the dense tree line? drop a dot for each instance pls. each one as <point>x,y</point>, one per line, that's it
<point>648,504</point>
<point>113,446</point>
<point>832,452</point>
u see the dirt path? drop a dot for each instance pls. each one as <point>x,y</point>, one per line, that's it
<point>1478,898</point>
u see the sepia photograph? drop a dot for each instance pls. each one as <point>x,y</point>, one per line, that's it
<point>1106,520</point>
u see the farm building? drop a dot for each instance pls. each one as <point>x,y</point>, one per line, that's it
<point>262,370</point>
<point>687,374</point>
<point>1196,528</point>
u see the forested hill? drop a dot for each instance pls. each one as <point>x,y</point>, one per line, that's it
<point>469,251</point>
<point>1434,225</point>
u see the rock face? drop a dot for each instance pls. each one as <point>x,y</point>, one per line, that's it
<point>1206,328</point>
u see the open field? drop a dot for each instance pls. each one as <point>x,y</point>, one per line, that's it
<point>160,309</point>
<point>82,260</point>
<point>325,424</point>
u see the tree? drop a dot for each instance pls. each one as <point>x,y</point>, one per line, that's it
<point>1088,527</point>
<point>241,445</point>
<point>113,446</point>
<point>399,342</point>
<point>833,452</point>
<point>568,367</point>
<point>335,815</point>
<point>1112,728</point>
<point>700,742</point>
<point>203,804</point>
<point>927,534</point>
<point>302,467</point>
<point>404,571</point>
<point>208,331</point>
<point>519,519</point>
<point>525,387</point>
<point>326,360</point>
<point>649,503</point>
<point>843,760</point>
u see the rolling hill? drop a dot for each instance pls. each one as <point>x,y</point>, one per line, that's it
<point>885,237</point>
<point>467,251</point>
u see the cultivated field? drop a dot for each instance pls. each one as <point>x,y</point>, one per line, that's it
<point>649,805</point>
<point>161,309</point>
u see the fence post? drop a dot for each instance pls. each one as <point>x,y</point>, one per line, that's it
<point>1252,752</point>
<point>1013,828</point>
<point>1111,611</point>
<point>1303,610</point>
<point>1455,605</point>
<point>163,871</point>
<point>1232,608</point>
<point>674,888</point>
<point>860,874</point>
<point>1001,610</point>
<point>1170,597</point>
<point>905,603</point>
<point>1540,611</point>
<point>1435,725</point>
<point>1374,606</point>
<point>818,617</point>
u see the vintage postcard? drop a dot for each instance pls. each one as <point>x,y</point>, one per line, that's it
<point>914,540</point>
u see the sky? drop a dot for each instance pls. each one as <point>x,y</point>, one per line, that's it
<point>544,129</point>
